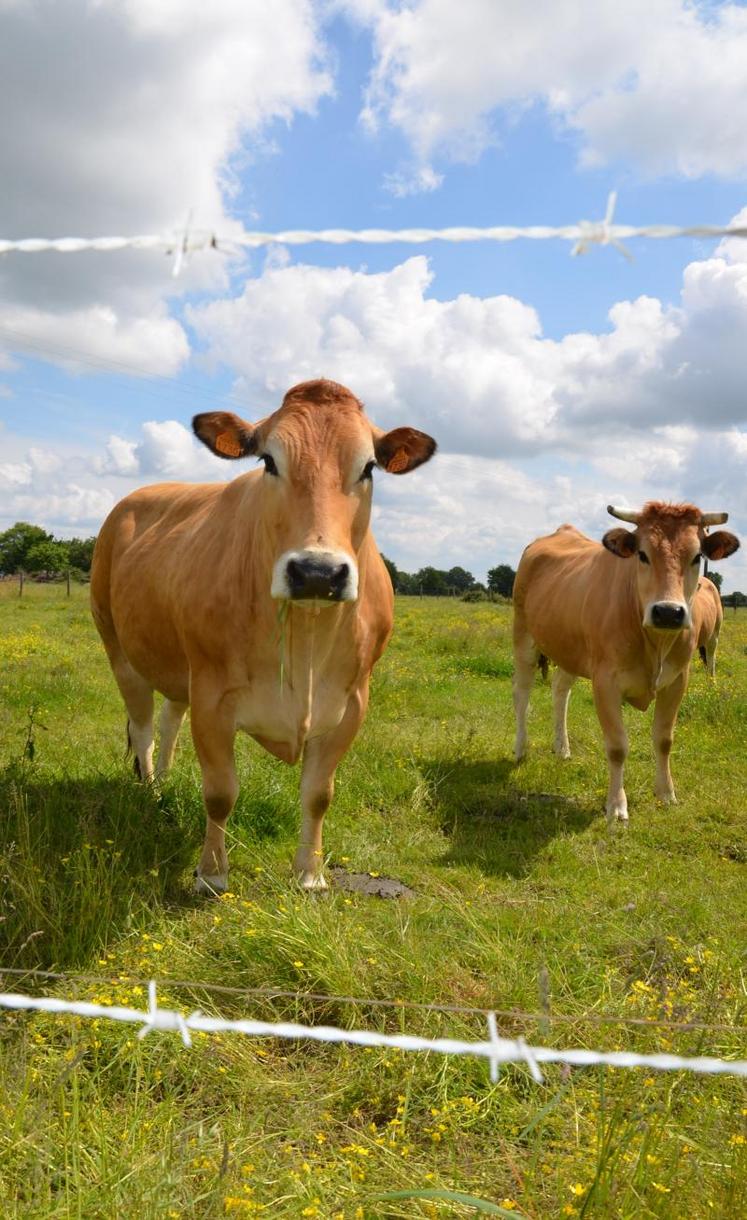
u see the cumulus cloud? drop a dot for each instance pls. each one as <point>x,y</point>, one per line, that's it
<point>72,491</point>
<point>477,372</point>
<point>659,84</point>
<point>120,117</point>
<point>96,336</point>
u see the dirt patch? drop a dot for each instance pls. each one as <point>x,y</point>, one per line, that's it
<point>367,883</point>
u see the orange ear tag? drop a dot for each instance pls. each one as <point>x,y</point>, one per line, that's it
<point>227,444</point>
<point>398,461</point>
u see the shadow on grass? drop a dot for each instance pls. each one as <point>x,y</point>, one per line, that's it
<point>84,857</point>
<point>494,825</point>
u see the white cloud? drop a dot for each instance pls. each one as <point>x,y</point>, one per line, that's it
<point>477,372</point>
<point>79,339</point>
<point>659,84</point>
<point>121,116</point>
<point>166,451</point>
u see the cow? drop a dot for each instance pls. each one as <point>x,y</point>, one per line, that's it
<point>619,612</point>
<point>261,604</point>
<point>708,618</point>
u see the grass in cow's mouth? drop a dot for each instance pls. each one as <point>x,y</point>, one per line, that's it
<point>513,873</point>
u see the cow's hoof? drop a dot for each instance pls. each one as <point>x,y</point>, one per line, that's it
<point>615,815</point>
<point>666,798</point>
<point>563,752</point>
<point>312,881</point>
<point>212,884</point>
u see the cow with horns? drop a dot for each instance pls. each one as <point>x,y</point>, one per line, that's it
<point>621,614</point>
<point>262,604</point>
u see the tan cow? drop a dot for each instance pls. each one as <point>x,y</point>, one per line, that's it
<point>626,623</point>
<point>262,604</point>
<point>708,618</point>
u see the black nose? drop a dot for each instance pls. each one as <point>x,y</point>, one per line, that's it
<point>316,578</point>
<point>667,614</point>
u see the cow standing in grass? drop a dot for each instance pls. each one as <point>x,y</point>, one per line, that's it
<point>619,612</point>
<point>262,604</point>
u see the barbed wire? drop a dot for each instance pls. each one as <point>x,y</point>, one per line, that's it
<point>497,1050</point>
<point>272,993</point>
<point>181,243</point>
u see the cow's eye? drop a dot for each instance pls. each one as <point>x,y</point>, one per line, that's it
<point>269,462</point>
<point>367,470</point>
<point>643,557</point>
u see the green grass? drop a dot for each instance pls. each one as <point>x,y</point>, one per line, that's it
<point>517,880</point>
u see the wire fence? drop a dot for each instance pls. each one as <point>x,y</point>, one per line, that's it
<point>583,234</point>
<point>499,1051</point>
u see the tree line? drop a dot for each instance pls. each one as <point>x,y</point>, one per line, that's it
<point>454,582</point>
<point>31,549</point>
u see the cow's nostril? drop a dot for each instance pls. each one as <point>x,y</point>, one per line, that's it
<point>295,573</point>
<point>340,575</point>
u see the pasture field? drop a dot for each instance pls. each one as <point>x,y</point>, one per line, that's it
<point>523,899</point>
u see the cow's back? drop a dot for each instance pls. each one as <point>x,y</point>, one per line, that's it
<point>572,596</point>
<point>149,543</point>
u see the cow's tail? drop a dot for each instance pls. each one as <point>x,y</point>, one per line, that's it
<point>128,752</point>
<point>703,654</point>
<point>542,665</point>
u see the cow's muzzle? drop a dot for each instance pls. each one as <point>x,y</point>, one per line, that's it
<point>316,576</point>
<point>667,616</point>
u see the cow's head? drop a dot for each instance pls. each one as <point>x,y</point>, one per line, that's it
<point>319,452</point>
<point>668,543</point>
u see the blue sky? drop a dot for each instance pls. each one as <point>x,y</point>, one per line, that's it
<point>546,404</point>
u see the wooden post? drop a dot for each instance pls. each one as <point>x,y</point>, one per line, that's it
<point>68,581</point>
<point>20,583</point>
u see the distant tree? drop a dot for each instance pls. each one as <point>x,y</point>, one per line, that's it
<point>459,579</point>
<point>431,581</point>
<point>47,557</point>
<point>80,553</point>
<point>406,583</point>
<point>735,599</point>
<point>16,542</point>
<point>501,579</point>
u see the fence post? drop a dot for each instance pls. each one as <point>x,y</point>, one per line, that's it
<point>68,581</point>
<point>20,583</point>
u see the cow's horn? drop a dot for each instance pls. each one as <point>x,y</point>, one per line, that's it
<point>623,514</point>
<point>713,518</point>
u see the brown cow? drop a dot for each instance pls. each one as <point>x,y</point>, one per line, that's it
<point>262,604</point>
<point>708,618</point>
<point>626,624</point>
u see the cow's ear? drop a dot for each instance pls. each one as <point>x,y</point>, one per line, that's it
<point>225,434</point>
<point>720,545</point>
<point>622,543</point>
<point>402,449</point>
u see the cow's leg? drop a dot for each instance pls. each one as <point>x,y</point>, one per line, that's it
<point>525,663</point>
<point>668,702</point>
<point>320,759</point>
<point>170,721</point>
<point>609,710</point>
<point>562,682</point>
<point>138,699</point>
<point>213,732</point>
<point>711,647</point>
